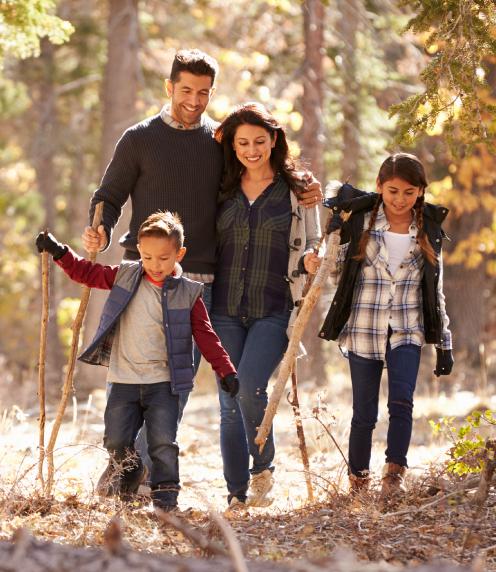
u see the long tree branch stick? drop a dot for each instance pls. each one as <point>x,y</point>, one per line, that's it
<point>42,361</point>
<point>301,321</point>
<point>294,401</point>
<point>76,328</point>
<point>295,404</point>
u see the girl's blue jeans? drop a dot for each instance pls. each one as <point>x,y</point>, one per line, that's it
<point>255,346</point>
<point>402,367</point>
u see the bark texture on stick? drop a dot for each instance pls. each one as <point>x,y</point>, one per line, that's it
<point>295,404</point>
<point>42,361</point>
<point>293,346</point>
<point>76,328</point>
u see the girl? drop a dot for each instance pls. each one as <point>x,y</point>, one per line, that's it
<point>265,242</point>
<point>389,302</point>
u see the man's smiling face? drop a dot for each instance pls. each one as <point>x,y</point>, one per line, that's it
<point>190,95</point>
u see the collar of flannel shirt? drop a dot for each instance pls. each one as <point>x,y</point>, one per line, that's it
<point>382,224</point>
<point>165,114</point>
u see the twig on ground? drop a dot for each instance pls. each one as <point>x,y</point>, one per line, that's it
<point>195,537</point>
<point>236,553</point>
<point>327,430</point>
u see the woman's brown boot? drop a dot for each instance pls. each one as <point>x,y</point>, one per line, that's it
<point>392,480</point>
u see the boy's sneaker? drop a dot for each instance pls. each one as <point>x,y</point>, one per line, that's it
<point>109,482</point>
<point>260,485</point>
<point>130,488</point>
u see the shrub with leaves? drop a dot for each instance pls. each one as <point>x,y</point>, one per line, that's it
<point>467,453</point>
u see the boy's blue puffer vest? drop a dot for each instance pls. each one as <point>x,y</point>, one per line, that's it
<point>178,298</point>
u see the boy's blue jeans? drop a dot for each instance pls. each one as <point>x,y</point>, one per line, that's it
<point>255,346</point>
<point>128,405</point>
<point>402,367</point>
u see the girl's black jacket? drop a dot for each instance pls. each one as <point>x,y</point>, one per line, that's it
<point>359,203</point>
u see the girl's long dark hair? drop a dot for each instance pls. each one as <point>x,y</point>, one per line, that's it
<point>408,168</point>
<point>253,113</point>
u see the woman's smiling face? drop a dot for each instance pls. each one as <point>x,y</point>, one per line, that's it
<point>253,145</point>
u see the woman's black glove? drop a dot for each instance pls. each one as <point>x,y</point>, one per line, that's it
<point>444,362</point>
<point>230,384</point>
<point>47,242</point>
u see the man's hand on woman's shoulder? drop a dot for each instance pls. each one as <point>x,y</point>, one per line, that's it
<point>311,192</point>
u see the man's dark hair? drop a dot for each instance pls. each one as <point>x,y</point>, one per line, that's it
<point>195,62</point>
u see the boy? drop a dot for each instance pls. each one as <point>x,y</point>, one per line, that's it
<point>145,339</point>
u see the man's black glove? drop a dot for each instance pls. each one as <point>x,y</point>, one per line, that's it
<point>230,384</point>
<point>335,223</point>
<point>444,362</point>
<point>50,244</point>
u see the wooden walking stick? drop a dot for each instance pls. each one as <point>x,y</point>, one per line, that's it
<point>76,328</point>
<point>299,326</point>
<point>295,404</point>
<point>42,360</point>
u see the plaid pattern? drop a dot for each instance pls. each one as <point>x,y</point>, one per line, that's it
<point>382,301</point>
<point>253,254</point>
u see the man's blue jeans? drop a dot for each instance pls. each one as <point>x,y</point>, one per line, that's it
<point>255,346</point>
<point>128,405</point>
<point>402,367</point>
<point>141,441</point>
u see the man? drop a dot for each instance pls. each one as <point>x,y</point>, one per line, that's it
<point>171,162</point>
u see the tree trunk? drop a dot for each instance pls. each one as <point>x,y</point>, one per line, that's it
<point>119,94</point>
<point>348,27</point>
<point>43,153</point>
<point>312,146</point>
<point>313,129</point>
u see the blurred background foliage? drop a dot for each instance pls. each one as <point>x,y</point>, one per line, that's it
<point>351,79</point>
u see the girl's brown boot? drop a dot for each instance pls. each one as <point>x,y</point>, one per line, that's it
<point>358,484</point>
<point>392,481</point>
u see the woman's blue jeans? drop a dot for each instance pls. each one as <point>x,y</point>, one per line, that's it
<point>402,367</point>
<point>255,346</point>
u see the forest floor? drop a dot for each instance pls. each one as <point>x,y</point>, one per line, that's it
<point>423,527</point>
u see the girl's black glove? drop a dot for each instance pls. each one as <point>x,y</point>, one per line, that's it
<point>444,362</point>
<point>51,245</point>
<point>335,223</point>
<point>230,384</point>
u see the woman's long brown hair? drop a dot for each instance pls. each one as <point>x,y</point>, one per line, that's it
<point>253,113</point>
<point>407,167</point>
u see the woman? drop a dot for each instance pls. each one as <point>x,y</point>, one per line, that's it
<point>265,248</point>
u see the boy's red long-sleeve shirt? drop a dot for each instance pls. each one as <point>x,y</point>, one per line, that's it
<point>101,276</point>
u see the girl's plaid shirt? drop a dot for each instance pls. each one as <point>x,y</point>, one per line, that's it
<point>382,301</point>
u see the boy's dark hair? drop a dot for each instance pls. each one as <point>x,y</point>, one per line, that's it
<point>163,225</point>
<point>195,62</point>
